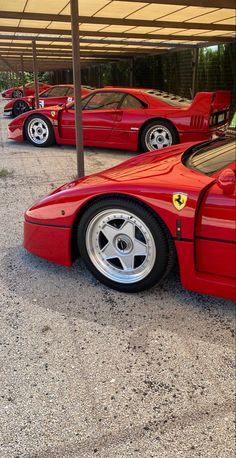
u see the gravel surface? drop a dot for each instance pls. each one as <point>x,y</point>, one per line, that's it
<point>90,372</point>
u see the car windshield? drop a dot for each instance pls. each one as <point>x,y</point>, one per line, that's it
<point>208,159</point>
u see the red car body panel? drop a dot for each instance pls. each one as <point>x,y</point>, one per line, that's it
<point>200,120</point>
<point>152,179</point>
<point>29,90</point>
<point>48,101</point>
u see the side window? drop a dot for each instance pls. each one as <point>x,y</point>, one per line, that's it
<point>103,100</point>
<point>45,94</point>
<point>131,102</point>
<point>70,92</point>
<point>57,92</point>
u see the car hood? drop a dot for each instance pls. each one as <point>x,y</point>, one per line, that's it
<point>19,120</point>
<point>151,177</point>
<point>149,169</point>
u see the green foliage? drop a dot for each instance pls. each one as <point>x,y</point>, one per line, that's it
<point>4,173</point>
<point>10,79</point>
<point>217,71</point>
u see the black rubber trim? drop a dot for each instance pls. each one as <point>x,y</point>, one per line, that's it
<point>48,225</point>
<point>183,240</point>
<point>215,240</point>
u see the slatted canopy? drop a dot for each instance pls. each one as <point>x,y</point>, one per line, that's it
<point>109,29</point>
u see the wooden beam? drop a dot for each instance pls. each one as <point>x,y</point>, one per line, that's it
<point>124,35</point>
<point>22,73</point>
<point>202,3</point>
<point>35,70</point>
<point>149,43</point>
<point>90,49</point>
<point>77,87</point>
<point>114,21</point>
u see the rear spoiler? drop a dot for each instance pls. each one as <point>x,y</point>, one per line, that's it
<point>206,103</point>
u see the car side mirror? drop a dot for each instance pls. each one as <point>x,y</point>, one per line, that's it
<point>226,181</point>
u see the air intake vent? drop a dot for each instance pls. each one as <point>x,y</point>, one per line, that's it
<point>197,122</point>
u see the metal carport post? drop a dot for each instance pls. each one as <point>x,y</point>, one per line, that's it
<point>77,86</point>
<point>35,68</point>
<point>22,73</point>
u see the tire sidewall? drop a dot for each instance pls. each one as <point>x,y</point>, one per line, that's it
<point>50,140</point>
<point>13,109</point>
<point>151,222</point>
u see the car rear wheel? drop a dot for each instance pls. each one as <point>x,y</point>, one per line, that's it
<point>17,93</point>
<point>19,107</point>
<point>39,131</point>
<point>157,135</point>
<point>123,244</point>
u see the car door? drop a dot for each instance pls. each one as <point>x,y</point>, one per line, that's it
<point>215,238</point>
<point>129,117</point>
<point>53,96</point>
<point>99,116</point>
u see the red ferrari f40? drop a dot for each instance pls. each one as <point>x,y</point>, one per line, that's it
<point>125,118</point>
<point>131,223</point>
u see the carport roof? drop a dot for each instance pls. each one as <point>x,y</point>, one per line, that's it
<point>110,29</point>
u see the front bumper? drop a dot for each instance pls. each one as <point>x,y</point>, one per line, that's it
<point>52,243</point>
<point>7,112</point>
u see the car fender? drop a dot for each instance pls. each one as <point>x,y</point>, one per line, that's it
<point>63,206</point>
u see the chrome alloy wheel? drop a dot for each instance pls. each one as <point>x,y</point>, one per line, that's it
<point>158,137</point>
<point>120,246</point>
<point>38,131</point>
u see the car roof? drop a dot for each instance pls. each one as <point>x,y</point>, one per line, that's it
<point>155,96</point>
<point>61,85</point>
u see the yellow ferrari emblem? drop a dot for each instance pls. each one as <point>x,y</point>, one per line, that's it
<point>179,200</point>
<point>53,113</point>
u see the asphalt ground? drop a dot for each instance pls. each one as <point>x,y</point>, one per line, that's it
<point>87,371</point>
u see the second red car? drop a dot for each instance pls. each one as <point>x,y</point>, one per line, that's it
<point>128,118</point>
<point>55,95</point>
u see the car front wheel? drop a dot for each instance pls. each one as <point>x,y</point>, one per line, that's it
<point>123,244</point>
<point>157,135</point>
<point>19,107</point>
<point>39,131</point>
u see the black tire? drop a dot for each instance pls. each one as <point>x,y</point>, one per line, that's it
<point>19,107</point>
<point>17,93</point>
<point>168,135</point>
<point>36,120</point>
<point>159,238</point>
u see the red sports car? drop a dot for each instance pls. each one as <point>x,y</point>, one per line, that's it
<point>14,92</point>
<point>55,95</point>
<point>127,118</point>
<point>130,223</point>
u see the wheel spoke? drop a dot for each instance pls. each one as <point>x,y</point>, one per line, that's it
<point>110,232</point>
<point>140,248</point>
<point>109,251</point>
<point>154,139</point>
<point>128,229</point>
<point>127,261</point>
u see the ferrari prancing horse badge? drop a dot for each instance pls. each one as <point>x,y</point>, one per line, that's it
<point>179,200</point>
